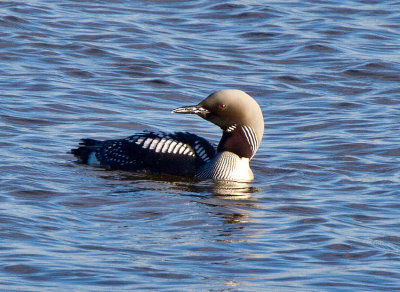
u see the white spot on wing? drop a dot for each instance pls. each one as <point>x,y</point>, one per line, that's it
<point>166,145</point>
<point>187,150</point>
<point>147,143</point>
<point>160,145</point>
<point>178,146</point>
<point>172,146</point>
<point>138,141</point>
<point>183,148</point>
<point>154,144</point>
<point>201,151</point>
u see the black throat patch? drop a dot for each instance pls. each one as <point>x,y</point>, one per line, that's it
<point>240,140</point>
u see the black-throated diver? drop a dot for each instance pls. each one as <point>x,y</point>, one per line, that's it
<point>185,154</point>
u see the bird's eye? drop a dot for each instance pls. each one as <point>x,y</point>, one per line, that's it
<point>222,106</point>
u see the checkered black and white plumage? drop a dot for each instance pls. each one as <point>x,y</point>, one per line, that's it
<point>155,152</point>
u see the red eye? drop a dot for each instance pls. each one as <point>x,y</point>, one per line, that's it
<point>222,106</point>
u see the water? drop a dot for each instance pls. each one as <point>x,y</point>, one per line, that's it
<point>322,213</point>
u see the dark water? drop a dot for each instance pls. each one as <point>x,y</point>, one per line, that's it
<point>323,211</point>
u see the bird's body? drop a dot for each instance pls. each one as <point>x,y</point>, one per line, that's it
<point>155,152</point>
<point>186,154</point>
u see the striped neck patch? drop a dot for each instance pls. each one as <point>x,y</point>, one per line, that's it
<point>251,138</point>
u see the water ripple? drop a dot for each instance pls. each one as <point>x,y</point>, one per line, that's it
<point>322,211</point>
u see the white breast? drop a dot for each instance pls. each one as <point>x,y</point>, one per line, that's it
<point>227,166</point>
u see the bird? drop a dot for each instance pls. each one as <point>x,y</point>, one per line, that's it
<point>185,154</point>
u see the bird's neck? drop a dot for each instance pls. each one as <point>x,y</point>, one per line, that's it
<point>241,140</point>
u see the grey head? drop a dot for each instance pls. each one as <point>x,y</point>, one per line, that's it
<point>237,114</point>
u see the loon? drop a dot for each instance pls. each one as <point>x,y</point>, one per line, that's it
<point>186,154</point>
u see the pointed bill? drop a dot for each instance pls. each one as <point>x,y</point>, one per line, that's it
<point>192,109</point>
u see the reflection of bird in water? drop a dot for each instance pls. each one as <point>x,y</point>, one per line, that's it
<point>230,200</point>
<point>235,112</point>
<point>226,190</point>
<point>234,190</point>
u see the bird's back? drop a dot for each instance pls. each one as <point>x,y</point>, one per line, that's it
<point>153,152</point>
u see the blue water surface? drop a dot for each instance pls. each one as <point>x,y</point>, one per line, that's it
<point>323,211</point>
